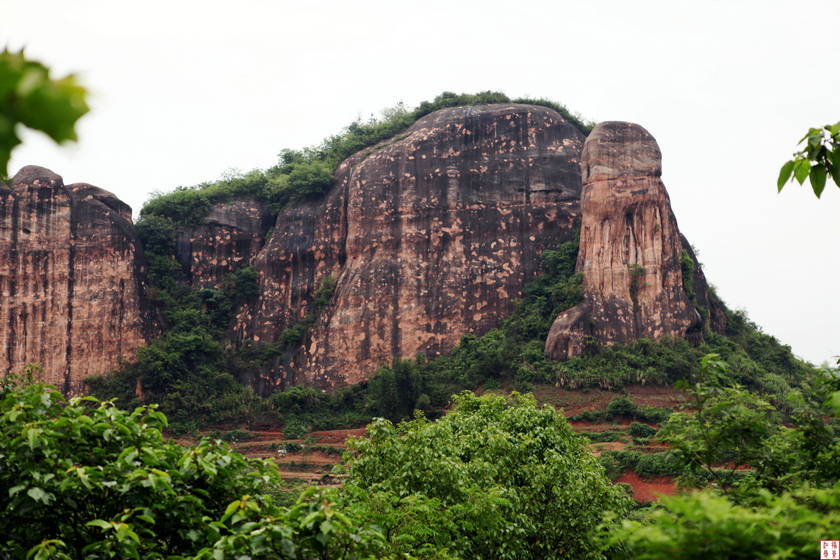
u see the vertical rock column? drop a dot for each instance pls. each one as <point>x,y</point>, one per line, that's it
<point>630,247</point>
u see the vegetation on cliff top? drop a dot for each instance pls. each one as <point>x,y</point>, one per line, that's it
<point>307,174</point>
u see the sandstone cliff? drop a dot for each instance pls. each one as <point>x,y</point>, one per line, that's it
<point>430,237</point>
<point>630,250</point>
<point>71,272</point>
<point>228,237</point>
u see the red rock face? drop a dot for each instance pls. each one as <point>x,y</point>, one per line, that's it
<point>429,236</point>
<point>630,246</point>
<point>229,236</point>
<point>71,271</point>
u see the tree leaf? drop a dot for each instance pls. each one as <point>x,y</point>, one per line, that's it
<point>39,495</point>
<point>818,179</point>
<point>230,510</point>
<point>801,170</point>
<point>785,173</point>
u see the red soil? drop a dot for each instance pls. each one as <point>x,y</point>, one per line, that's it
<point>648,489</point>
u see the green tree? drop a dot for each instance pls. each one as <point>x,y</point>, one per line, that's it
<point>818,160</point>
<point>726,426</point>
<point>28,96</point>
<point>491,479</point>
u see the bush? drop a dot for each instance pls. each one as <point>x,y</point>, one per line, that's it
<point>611,467</point>
<point>291,447</point>
<point>89,475</point>
<point>294,430</point>
<point>706,525</point>
<point>621,407</point>
<point>642,430</point>
<point>599,437</point>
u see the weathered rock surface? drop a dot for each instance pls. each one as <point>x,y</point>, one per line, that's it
<point>71,272</point>
<point>567,337</point>
<point>630,247</point>
<point>430,237</point>
<point>230,235</point>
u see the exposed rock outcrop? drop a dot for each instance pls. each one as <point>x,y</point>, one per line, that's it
<point>430,236</point>
<point>230,235</point>
<point>71,272</point>
<point>630,247</point>
<point>567,337</point>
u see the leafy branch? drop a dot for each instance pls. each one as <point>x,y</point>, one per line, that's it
<point>818,160</point>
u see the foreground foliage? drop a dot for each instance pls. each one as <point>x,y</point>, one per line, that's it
<point>705,524</point>
<point>491,479</point>
<point>817,161</point>
<point>28,96</point>
<point>82,479</point>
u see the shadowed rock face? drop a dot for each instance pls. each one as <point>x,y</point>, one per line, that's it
<point>630,245</point>
<point>704,295</point>
<point>430,237</point>
<point>230,235</point>
<point>71,272</point>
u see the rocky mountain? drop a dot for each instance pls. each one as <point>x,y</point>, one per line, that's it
<point>429,236</point>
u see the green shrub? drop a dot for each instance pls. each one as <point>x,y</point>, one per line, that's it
<point>621,407</point>
<point>292,447</point>
<point>294,430</point>
<point>653,414</point>
<point>611,466</point>
<point>599,437</point>
<point>626,487</point>
<point>706,525</point>
<point>90,480</point>
<point>642,430</point>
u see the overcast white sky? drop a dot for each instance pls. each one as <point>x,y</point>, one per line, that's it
<point>182,91</point>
